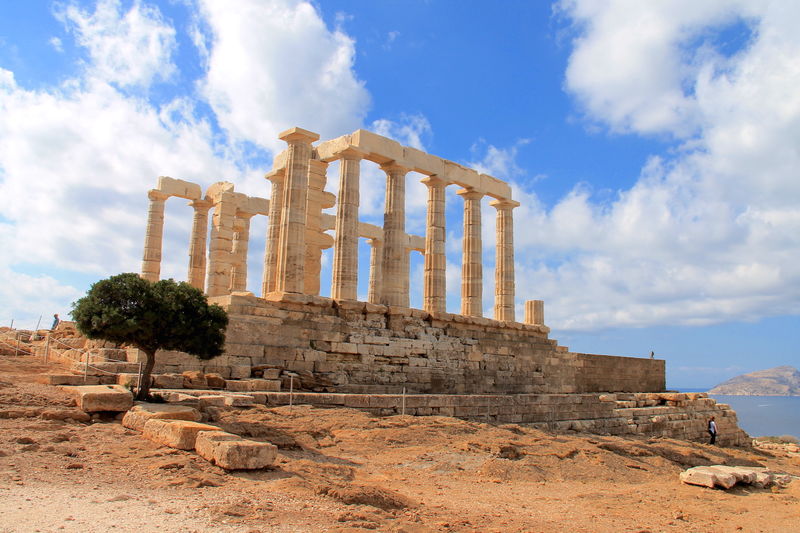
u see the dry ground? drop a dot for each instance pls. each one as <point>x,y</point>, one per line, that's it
<point>343,470</point>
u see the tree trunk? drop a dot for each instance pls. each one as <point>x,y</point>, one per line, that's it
<point>144,388</point>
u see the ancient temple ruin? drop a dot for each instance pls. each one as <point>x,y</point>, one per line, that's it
<point>382,345</point>
<point>298,227</point>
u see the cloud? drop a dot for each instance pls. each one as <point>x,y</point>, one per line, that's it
<point>274,65</point>
<point>710,230</point>
<point>133,48</point>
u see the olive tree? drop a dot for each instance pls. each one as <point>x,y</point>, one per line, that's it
<point>161,315</point>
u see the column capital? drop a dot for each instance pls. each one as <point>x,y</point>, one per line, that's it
<point>470,194</point>
<point>500,203</point>
<point>321,165</point>
<point>374,241</point>
<point>351,153</point>
<point>201,204</point>
<point>394,166</point>
<point>298,135</point>
<point>276,175</point>
<point>434,181</point>
<point>156,195</point>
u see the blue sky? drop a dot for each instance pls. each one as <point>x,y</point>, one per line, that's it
<point>653,145</point>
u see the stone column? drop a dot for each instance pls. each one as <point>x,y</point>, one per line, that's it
<point>316,239</point>
<point>504,260</point>
<point>241,238</point>
<point>292,244</point>
<point>197,244</point>
<point>151,260</point>
<point>345,248</point>
<point>435,288</point>
<point>472,262</point>
<point>375,277</point>
<point>534,312</point>
<point>395,241</point>
<point>219,249</point>
<point>269,276</point>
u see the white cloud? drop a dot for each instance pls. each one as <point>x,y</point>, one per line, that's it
<point>56,43</point>
<point>132,48</point>
<point>274,65</point>
<point>710,232</point>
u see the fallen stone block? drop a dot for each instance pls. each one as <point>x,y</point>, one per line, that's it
<point>183,399</point>
<point>709,476</point>
<point>239,400</point>
<point>232,452</point>
<point>130,380</point>
<point>96,398</point>
<point>180,434</point>
<point>270,385</point>
<point>240,372</point>
<point>140,413</point>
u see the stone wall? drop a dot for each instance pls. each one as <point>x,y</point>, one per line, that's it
<point>368,348</point>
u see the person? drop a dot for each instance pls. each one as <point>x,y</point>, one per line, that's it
<point>652,354</point>
<point>712,430</point>
<point>56,321</point>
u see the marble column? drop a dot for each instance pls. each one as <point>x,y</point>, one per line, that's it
<point>434,299</point>
<point>534,312</point>
<point>241,238</point>
<point>472,262</point>
<point>151,260</point>
<point>375,277</point>
<point>504,260</point>
<point>292,244</point>
<point>219,249</point>
<point>344,285</point>
<point>197,244</point>
<point>316,239</point>
<point>395,241</point>
<point>269,276</point>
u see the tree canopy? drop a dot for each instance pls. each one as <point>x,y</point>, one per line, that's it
<point>162,315</point>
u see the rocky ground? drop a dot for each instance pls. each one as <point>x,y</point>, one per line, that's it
<point>343,470</point>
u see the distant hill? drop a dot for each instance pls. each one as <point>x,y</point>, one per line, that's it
<point>778,381</point>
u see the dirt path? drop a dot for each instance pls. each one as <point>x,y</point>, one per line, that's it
<point>343,470</point>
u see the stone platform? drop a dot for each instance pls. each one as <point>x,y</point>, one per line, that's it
<point>367,348</point>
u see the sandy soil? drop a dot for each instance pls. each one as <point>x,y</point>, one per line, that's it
<point>343,470</point>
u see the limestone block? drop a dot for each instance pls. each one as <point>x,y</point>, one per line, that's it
<point>66,379</point>
<point>240,372</point>
<point>237,385</point>
<point>96,398</point>
<point>232,452</point>
<point>207,400</point>
<point>194,379</point>
<point>215,381</point>
<point>271,385</point>
<point>140,413</point>
<point>182,399</point>
<point>180,434</point>
<point>239,400</point>
<point>168,381</point>
<point>130,380</point>
<point>707,476</point>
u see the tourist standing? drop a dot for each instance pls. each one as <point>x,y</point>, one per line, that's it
<point>712,430</point>
<point>56,321</point>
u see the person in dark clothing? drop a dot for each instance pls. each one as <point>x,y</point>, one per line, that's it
<point>712,431</point>
<point>56,320</point>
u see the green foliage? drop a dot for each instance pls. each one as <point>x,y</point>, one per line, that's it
<point>151,316</point>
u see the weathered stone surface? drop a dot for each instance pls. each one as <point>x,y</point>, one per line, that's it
<point>96,398</point>
<point>239,400</point>
<point>180,434</point>
<point>725,476</point>
<point>215,381</point>
<point>232,452</point>
<point>211,400</point>
<point>194,379</point>
<point>168,381</point>
<point>139,414</point>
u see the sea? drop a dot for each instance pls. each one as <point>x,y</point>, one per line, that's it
<point>762,416</point>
